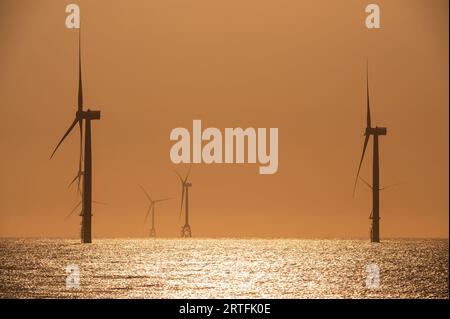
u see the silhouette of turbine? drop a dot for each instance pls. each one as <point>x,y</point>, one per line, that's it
<point>376,132</point>
<point>86,173</point>
<point>185,229</point>
<point>151,209</point>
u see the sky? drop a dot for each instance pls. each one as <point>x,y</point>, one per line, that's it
<point>299,66</point>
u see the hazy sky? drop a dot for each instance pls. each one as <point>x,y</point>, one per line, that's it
<point>151,66</point>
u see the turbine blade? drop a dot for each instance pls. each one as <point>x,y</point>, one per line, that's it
<point>74,179</point>
<point>366,140</point>
<point>80,124</point>
<point>71,212</point>
<point>146,194</point>
<point>182,199</point>
<point>188,173</point>
<point>80,100</point>
<point>179,176</point>
<point>79,182</point>
<point>65,135</point>
<point>365,182</point>
<point>182,191</point>
<point>148,212</point>
<point>100,203</point>
<point>77,177</point>
<point>80,84</point>
<point>161,200</point>
<point>368,97</point>
<point>389,186</point>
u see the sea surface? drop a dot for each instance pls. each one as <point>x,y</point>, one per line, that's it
<point>223,268</point>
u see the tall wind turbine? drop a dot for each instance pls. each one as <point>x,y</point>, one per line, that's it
<point>376,132</point>
<point>86,173</point>
<point>185,229</point>
<point>151,209</point>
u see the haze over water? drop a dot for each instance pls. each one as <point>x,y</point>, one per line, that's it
<point>223,268</point>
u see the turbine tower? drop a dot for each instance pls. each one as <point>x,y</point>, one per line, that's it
<point>375,132</point>
<point>185,229</point>
<point>86,173</point>
<point>151,209</point>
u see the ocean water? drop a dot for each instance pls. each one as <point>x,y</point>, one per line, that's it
<point>223,268</point>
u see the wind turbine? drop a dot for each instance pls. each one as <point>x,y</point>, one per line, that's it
<point>186,229</point>
<point>151,209</point>
<point>376,132</point>
<point>86,173</point>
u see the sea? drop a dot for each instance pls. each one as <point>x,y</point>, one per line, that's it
<point>224,268</point>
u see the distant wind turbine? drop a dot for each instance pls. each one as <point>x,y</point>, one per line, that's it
<point>151,209</point>
<point>376,132</point>
<point>86,173</point>
<point>185,229</point>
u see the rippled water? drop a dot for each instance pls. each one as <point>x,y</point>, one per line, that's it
<point>225,268</point>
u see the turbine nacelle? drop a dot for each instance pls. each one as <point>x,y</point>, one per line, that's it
<point>88,115</point>
<point>375,131</point>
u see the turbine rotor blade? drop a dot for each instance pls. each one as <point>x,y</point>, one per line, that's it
<point>79,182</point>
<point>100,203</point>
<point>182,199</point>
<point>80,83</point>
<point>80,124</point>
<point>368,97</point>
<point>75,178</point>
<point>64,136</point>
<point>389,186</point>
<point>366,140</point>
<point>148,212</point>
<point>146,194</point>
<point>179,176</point>
<point>188,173</point>
<point>161,200</point>
<point>365,182</point>
<point>182,191</point>
<point>80,99</point>
<point>71,212</point>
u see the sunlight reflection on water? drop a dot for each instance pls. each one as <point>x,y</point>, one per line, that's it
<point>223,268</point>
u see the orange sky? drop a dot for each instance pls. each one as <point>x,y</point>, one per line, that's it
<point>151,66</point>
